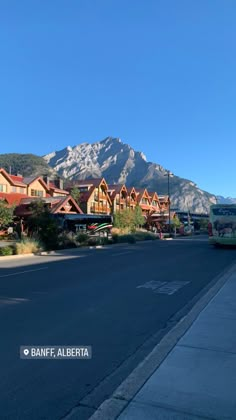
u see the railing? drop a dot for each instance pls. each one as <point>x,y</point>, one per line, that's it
<point>101,196</point>
<point>99,209</point>
<point>164,208</point>
<point>121,201</point>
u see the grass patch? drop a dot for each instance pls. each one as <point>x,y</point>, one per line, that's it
<point>27,246</point>
<point>6,250</point>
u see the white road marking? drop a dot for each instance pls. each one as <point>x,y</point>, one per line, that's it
<point>23,272</point>
<point>164,287</point>
<point>153,284</point>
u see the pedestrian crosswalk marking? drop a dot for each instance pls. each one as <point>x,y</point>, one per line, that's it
<point>164,287</point>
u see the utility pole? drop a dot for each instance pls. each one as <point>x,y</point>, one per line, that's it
<point>168,175</point>
<point>169,197</point>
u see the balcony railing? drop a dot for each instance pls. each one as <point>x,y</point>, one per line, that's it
<point>131,201</point>
<point>102,196</point>
<point>99,208</point>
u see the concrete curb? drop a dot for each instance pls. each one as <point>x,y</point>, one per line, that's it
<point>13,257</point>
<point>111,408</point>
<point>79,249</point>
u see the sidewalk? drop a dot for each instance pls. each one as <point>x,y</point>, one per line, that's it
<point>197,379</point>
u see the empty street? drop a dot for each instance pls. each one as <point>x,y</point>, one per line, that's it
<point>121,300</point>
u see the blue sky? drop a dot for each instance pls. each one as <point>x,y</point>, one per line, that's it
<point>160,75</point>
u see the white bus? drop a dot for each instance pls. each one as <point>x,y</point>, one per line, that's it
<point>222,225</point>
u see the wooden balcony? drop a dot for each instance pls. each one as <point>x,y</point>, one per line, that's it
<point>121,208</point>
<point>100,196</point>
<point>96,208</point>
<point>131,201</point>
<point>121,201</point>
<point>164,208</point>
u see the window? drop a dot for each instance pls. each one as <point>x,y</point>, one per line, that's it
<point>36,193</point>
<point>22,190</point>
<point>14,189</point>
<point>3,188</point>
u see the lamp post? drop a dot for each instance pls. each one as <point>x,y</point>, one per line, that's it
<point>168,174</point>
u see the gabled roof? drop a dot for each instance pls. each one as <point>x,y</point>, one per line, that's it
<point>114,189</point>
<point>153,194</point>
<point>12,198</point>
<point>12,179</point>
<point>84,196</point>
<point>56,204</point>
<point>53,187</point>
<point>90,181</point>
<point>17,178</point>
<point>63,202</point>
<point>141,193</point>
<point>163,198</point>
<point>131,190</point>
<point>30,180</point>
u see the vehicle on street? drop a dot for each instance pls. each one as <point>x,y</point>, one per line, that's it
<point>222,224</point>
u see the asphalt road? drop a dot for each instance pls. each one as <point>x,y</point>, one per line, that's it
<point>93,297</point>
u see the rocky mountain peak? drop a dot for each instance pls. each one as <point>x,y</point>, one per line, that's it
<point>119,163</point>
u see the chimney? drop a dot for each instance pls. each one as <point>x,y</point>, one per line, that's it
<point>59,183</point>
<point>46,179</point>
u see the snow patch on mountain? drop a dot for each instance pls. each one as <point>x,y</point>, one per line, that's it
<point>117,162</point>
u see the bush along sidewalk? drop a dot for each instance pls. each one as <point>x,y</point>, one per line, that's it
<point>6,250</point>
<point>33,246</point>
<point>26,246</point>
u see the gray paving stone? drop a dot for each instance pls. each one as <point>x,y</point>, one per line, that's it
<point>212,333</point>
<point>136,411</point>
<point>200,382</point>
<point>225,308</point>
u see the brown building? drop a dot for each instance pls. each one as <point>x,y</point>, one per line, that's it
<point>56,205</point>
<point>132,198</point>
<point>155,203</point>
<point>94,196</point>
<point>144,201</point>
<point>119,197</point>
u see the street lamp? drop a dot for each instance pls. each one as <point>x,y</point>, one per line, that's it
<point>168,174</point>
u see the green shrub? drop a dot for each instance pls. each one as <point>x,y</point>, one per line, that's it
<point>27,246</point>
<point>145,236</point>
<point>115,238</point>
<point>82,237</point>
<point>104,241</point>
<point>66,240</point>
<point>127,238</point>
<point>131,239</point>
<point>93,241</point>
<point>6,250</point>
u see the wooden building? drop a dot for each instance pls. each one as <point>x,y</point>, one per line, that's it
<point>94,196</point>
<point>119,197</point>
